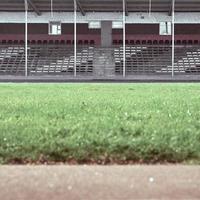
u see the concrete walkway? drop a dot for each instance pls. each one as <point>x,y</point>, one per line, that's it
<point>118,79</point>
<point>99,182</point>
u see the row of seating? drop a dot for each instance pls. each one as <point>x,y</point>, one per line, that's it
<point>46,60</point>
<point>93,42</point>
<point>12,60</point>
<point>157,59</point>
<point>52,42</point>
<point>156,42</point>
<point>187,60</point>
<point>59,60</point>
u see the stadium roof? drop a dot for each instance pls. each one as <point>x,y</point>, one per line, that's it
<point>85,6</point>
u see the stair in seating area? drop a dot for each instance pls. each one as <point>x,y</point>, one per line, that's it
<point>104,65</point>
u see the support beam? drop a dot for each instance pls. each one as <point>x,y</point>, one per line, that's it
<point>75,35</point>
<point>51,8</point>
<point>106,33</point>
<point>170,8</point>
<point>124,38</point>
<point>30,2</point>
<point>173,35</point>
<point>26,37</point>
<point>80,7</point>
<point>150,8</point>
<point>126,8</point>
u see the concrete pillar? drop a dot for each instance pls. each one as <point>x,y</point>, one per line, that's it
<point>106,33</point>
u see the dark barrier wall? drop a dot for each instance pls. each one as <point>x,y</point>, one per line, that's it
<point>134,32</point>
<point>138,29</point>
<point>83,29</point>
<point>43,29</point>
<point>39,33</point>
<point>19,28</point>
<point>153,29</point>
<point>189,29</point>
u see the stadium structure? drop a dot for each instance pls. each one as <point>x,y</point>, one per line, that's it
<point>100,39</point>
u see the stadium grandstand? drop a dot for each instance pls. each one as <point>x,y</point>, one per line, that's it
<point>106,39</point>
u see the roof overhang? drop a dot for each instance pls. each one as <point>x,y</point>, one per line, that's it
<point>84,6</point>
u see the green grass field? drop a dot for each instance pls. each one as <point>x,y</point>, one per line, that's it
<point>100,123</point>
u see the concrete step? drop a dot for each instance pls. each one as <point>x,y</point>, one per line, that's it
<point>104,62</point>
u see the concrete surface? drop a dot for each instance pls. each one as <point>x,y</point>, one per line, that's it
<point>99,182</point>
<point>127,79</point>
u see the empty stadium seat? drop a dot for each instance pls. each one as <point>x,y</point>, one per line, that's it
<point>58,59</point>
<point>46,59</point>
<point>144,59</point>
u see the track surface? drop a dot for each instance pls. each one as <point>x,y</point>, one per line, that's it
<point>132,78</point>
<point>99,182</point>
